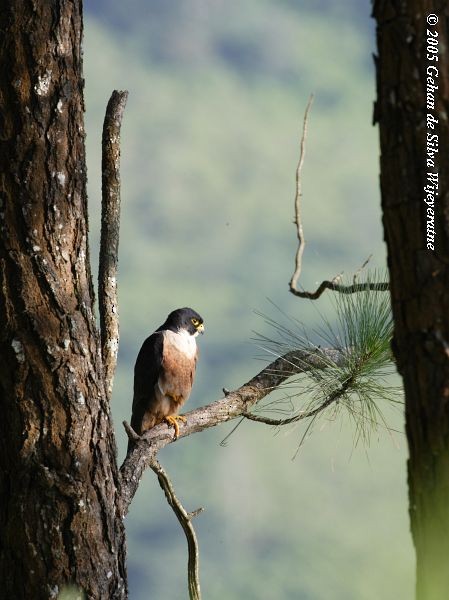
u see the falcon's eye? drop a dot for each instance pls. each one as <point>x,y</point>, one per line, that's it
<point>195,322</point>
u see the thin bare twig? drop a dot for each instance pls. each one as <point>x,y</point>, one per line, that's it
<point>185,520</point>
<point>235,404</point>
<point>110,225</point>
<point>334,284</point>
<point>342,289</point>
<point>298,218</point>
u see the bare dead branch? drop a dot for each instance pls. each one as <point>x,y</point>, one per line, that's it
<point>235,404</point>
<point>110,226</point>
<point>334,284</point>
<point>342,289</point>
<point>132,435</point>
<point>298,218</point>
<point>185,519</point>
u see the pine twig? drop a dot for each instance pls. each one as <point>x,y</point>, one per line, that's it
<point>334,397</point>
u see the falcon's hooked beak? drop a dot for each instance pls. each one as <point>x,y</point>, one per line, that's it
<point>200,328</point>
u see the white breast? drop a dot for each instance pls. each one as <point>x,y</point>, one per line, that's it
<point>182,341</point>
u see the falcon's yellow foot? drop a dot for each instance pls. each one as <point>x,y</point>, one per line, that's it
<point>173,420</point>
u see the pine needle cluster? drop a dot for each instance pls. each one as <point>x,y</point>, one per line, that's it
<point>359,384</point>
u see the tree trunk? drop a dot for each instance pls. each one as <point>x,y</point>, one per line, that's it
<point>59,516</point>
<point>416,225</point>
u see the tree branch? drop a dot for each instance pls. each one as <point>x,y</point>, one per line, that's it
<point>334,283</point>
<point>342,289</point>
<point>298,218</point>
<point>185,520</point>
<point>235,404</point>
<point>336,395</point>
<point>110,226</point>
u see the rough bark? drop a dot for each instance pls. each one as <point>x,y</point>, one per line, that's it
<point>110,230</point>
<point>59,521</point>
<point>419,275</point>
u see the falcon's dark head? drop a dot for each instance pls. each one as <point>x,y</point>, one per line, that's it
<point>184,318</point>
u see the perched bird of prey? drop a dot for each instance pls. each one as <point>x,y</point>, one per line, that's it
<point>164,371</point>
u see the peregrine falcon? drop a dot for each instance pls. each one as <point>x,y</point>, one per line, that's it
<point>164,371</point>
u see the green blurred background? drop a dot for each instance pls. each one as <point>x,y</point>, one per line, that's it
<point>209,149</point>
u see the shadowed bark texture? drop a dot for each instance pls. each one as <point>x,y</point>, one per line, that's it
<point>110,229</point>
<point>59,517</point>
<point>419,276</point>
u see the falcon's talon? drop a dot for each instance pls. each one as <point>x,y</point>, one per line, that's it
<point>173,420</point>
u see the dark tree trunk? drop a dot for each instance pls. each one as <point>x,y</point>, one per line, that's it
<point>419,274</point>
<point>59,516</point>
